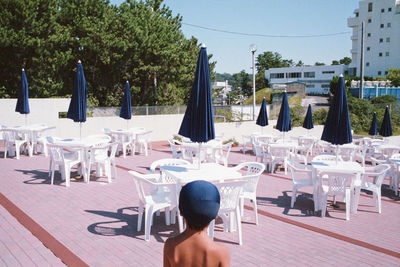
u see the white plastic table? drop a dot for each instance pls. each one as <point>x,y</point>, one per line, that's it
<point>211,172</point>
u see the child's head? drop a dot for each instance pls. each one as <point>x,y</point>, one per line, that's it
<point>199,203</point>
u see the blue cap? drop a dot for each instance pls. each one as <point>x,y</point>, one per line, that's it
<point>199,202</point>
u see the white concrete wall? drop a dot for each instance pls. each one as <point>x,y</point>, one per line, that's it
<point>163,126</point>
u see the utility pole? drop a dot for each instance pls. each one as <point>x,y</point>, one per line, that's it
<point>253,49</point>
<point>362,61</point>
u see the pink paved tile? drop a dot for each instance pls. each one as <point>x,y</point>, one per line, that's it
<point>97,221</point>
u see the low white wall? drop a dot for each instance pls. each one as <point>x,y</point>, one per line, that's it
<point>163,126</point>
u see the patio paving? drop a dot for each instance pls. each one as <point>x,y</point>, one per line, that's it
<point>96,222</point>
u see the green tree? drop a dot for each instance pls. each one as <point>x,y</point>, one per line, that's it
<point>394,76</point>
<point>319,64</point>
<point>300,64</point>
<point>243,81</point>
<point>345,61</point>
<point>271,59</point>
<point>261,82</point>
<point>335,62</point>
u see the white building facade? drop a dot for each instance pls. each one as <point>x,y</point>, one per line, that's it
<point>316,78</point>
<point>381,37</point>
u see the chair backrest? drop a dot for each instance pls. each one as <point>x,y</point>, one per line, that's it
<point>337,182</point>
<point>56,153</point>
<point>144,137</point>
<point>167,162</point>
<point>191,152</point>
<point>304,141</point>
<point>327,158</point>
<point>9,135</point>
<point>99,151</point>
<point>113,150</point>
<point>264,139</point>
<point>258,149</point>
<point>229,192</point>
<point>174,147</point>
<point>101,137</point>
<point>279,152</point>
<point>388,152</point>
<point>379,172</point>
<point>347,153</point>
<point>223,151</point>
<point>251,168</point>
<point>395,156</point>
<point>298,167</point>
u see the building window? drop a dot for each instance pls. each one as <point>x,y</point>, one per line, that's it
<point>369,7</point>
<point>379,72</point>
<point>381,40</point>
<point>389,9</point>
<point>382,10</point>
<point>356,14</point>
<point>368,48</point>
<point>368,34</point>
<point>387,54</point>
<point>310,86</point>
<point>387,39</point>
<point>294,74</point>
<point>328,72</point>
<point>389,25</point>
<point>367,64</point>
<point>386,72</point>
<point>325,86</point>
<point>309,74</point>
<point>369,20</point>
<point>380,54</point>
<point>277,75</point>
<point>382,25</point>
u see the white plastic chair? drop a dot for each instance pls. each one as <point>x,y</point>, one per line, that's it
<point>229,206</point>
<point>252,175</point>
<point>144,142</point>
<point>278,155</point>
<point>336,184</point>
<point>327,158</point>
<point>13,142</point>
<point>247,141</point>
<point>296,168</point>
<point>100,156</point>
<point>378,173</point>
<point>221,154</point>
<point>64,160</point>
<point>175,148</point>
<point>151,202</point>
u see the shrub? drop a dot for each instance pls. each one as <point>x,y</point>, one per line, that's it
<point>319,116</point>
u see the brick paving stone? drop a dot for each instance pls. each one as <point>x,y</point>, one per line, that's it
<point>97,221</point>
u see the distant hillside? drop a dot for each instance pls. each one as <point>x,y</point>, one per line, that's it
<point>222,77</point>
<point>260,94</point>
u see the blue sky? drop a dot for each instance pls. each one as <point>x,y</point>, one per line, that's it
<point>267,17</point>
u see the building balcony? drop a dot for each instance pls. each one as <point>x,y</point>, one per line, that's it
<point>353,22</point>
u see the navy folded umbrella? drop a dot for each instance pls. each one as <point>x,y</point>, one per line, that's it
<point>386,127</point>
<point>126,107</point>
<point>262,118</point>
<point>373,130</point>
<point>284,124</point>
<point>198,122</point>
<point>78,104</point>
<point>308,120</point>
<point>337,129</point>
<point>23,97</point>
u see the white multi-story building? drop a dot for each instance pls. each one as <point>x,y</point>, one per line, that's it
<point>316,78</point>
<point>381,37</point>
<point>226,88</point>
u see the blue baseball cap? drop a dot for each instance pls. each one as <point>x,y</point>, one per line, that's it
<point>199,202</point>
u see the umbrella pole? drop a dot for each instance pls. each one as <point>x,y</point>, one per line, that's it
<point>337,152</point>
<point>199,157</point>
<point>127,124</point>
<point>262,130</point>
<point>26,119</point>
<point>80,130</point>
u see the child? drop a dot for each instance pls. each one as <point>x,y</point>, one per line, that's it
<point>199,204</point>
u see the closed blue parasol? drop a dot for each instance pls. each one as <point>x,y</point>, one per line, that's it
<point>262,118</point>
<point>308,120</point>
<point>198,122</point>
<point>337,129</point>
<point>23,97</point>
<point>284,124</point>
<point>77,107</point>
<point>373,130</point>
<point>126,107</point>
<point>386,127</point>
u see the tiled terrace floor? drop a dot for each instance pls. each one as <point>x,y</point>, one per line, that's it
<point>96,222</point>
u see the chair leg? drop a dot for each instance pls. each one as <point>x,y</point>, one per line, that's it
<point>378,199</point>
<point>148,216</point>
<point>323,207</point>
<point>210,230</point>
<point>167,216</point>
<point>294,192</point>
<point>241,203</point>
<point>67,170</point>
<point>348,201</point>
<point>140,217</point>
<point>255,210</point>
<point>239,225</point>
